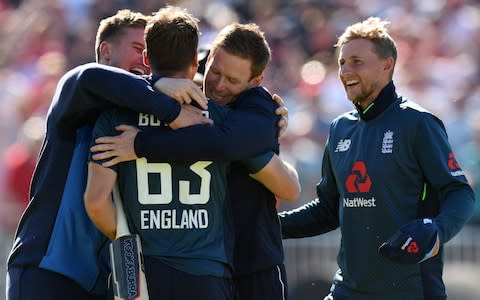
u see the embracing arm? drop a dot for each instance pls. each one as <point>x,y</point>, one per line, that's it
<point>319,215</point>
<point>91,88</point>
<point>120,148</point>
<point>250,128</point>
<point>94,87</point>
<point>280,178</point>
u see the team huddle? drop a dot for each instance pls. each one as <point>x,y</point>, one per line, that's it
<point>197,171</point>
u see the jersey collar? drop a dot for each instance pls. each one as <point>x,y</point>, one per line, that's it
<point>386,97</point>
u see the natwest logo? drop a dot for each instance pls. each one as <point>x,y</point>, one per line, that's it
<point>452,162</point>
<point>454,166</point>
<point>358,181</point>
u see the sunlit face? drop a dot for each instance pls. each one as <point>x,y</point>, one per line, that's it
<point>226,76</point>
<point>362,73</point>
<point>126,53</point>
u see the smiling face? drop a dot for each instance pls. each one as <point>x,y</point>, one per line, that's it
<point>362,72</point>
<point>126,51</point>
<point>227,75</point>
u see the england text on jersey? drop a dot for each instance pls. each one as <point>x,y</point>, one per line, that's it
<point>171,219</point>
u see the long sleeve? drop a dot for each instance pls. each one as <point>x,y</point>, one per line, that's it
<point>443,172</point>
<point>88,89</point>
<point>319,215</point>
<point>249,128</point>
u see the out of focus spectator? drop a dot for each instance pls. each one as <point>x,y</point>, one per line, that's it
<point>439,64</point>
<point>469,154</point>
<point>19,162</point>
<point>438,42</point>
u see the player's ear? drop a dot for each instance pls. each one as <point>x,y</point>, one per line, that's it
<point>146,60</point>
<point>388,64</point>
<point>105,51</point>
<point>256,81</point>
<point>195,63</point>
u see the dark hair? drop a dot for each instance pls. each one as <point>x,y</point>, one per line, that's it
<point>246,41</point>
<point>171,37</point>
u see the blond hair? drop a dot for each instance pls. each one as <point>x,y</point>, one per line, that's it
<point>111,28</point>
<point>373,29</point>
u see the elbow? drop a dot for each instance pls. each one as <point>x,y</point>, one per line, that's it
<point>292,193</point>
<point>93,205</point>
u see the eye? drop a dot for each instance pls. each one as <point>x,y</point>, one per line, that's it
<point>213,70</point>
<point>233,81</point>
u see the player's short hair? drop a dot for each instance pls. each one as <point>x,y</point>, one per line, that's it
<point>113,27</point>
<point>171,37</point>
<point>246,41</point>
<point>373,29</point>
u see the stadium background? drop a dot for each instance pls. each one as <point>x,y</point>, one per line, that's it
<point>438,66</point>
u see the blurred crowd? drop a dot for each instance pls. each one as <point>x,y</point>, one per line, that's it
<point>438,67</point>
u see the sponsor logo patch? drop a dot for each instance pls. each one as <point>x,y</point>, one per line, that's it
<point>359,182</point>
<point>343,145</point>
<point>387,143</point>
<point>454,166</point>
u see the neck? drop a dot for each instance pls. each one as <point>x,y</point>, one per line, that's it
<point>173,74</point>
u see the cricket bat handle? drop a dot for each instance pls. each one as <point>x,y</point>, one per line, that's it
<point>122,226</point>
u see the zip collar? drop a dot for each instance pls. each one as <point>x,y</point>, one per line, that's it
<point>386,97</point>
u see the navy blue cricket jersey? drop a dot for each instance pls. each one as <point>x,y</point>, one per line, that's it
<point>250,128</point>
<point>375,167</point>
<point>179,209</point>
<point>55,232</point>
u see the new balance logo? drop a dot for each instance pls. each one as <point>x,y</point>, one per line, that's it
<point>343,145</point>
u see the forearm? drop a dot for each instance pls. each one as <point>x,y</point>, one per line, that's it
<point>104,218</point>
<point>455,211</point>
<point>94,88</point>
<point>280,178</point>
<point>201,142</point>
<point>247,130</point>
<point>306,221</point>
<point>98,199</point>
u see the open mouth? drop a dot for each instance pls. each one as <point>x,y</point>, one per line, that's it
<point>218,97</point>
<point>351,83</point>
